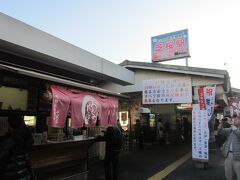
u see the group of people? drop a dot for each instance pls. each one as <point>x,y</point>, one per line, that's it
<point>182,131</point>
<point>231,147</point>
<point>163,131</point>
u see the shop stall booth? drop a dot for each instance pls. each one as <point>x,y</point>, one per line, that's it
<point>63,120</point>
<point>55,86</point>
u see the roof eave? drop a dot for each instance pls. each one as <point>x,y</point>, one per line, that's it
<point>176,71</point>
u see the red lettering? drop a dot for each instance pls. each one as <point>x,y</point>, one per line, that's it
<point>170,45</point>
<point>209,92</point>
<point>159,47</point>
<point>180,43</point>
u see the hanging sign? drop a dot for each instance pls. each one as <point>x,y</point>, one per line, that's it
<point>167,90</point>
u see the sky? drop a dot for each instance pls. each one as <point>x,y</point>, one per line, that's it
<point>120,30</point>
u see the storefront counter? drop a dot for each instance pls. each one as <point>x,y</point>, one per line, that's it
<point>55,156</point>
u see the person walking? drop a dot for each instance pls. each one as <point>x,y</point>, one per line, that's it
<point>14,155</point>
<point>113,140</point>
<point>231,148</point>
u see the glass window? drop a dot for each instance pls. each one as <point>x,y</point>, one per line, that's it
<point>13,98</point>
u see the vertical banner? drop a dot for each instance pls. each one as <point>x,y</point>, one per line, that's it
<point>207,99</point>
<point>209,93</point>
<point>201,114</point>
<point>201,98</point>
<point>200,134</point>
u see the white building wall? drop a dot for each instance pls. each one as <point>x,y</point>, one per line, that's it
<point>141,75</point>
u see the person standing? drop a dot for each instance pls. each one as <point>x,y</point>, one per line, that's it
<point>113,140</point>
<point>160,130</point>
<point>167,129</point>
<point>231,148</point>
<point>178,131</point>
<point>139,133</point>
<point>14,155</point>
<point>119,126</point>
<point>186,129</point>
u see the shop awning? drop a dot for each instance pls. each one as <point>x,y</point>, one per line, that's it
<point>62,80</point>
<point>39,47</point>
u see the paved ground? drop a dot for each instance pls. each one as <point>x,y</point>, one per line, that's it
<point>187,171</point>
<point>144,164</point>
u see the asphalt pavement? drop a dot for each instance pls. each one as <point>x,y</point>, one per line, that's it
<point>188,170</point>
<point>154,159</point>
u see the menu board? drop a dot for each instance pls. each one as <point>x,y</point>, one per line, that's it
<point>200,133</point>
<point>167,90</point>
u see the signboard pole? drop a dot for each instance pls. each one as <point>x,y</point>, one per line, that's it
<point>187,62</point>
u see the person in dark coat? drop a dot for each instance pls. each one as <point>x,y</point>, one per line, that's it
<point>139,133</point>
<point>113,138</point>
<point>178,131</point>
<point>160,131</point>
<point>186,129</point>
<point>167,129</point>
<point>14,157</point>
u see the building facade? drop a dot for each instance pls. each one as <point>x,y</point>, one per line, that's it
<point>171,111</point>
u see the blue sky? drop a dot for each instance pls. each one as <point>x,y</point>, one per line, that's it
<point>119,30</point>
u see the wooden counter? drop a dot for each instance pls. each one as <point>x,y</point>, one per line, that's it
<point>56,156</point>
